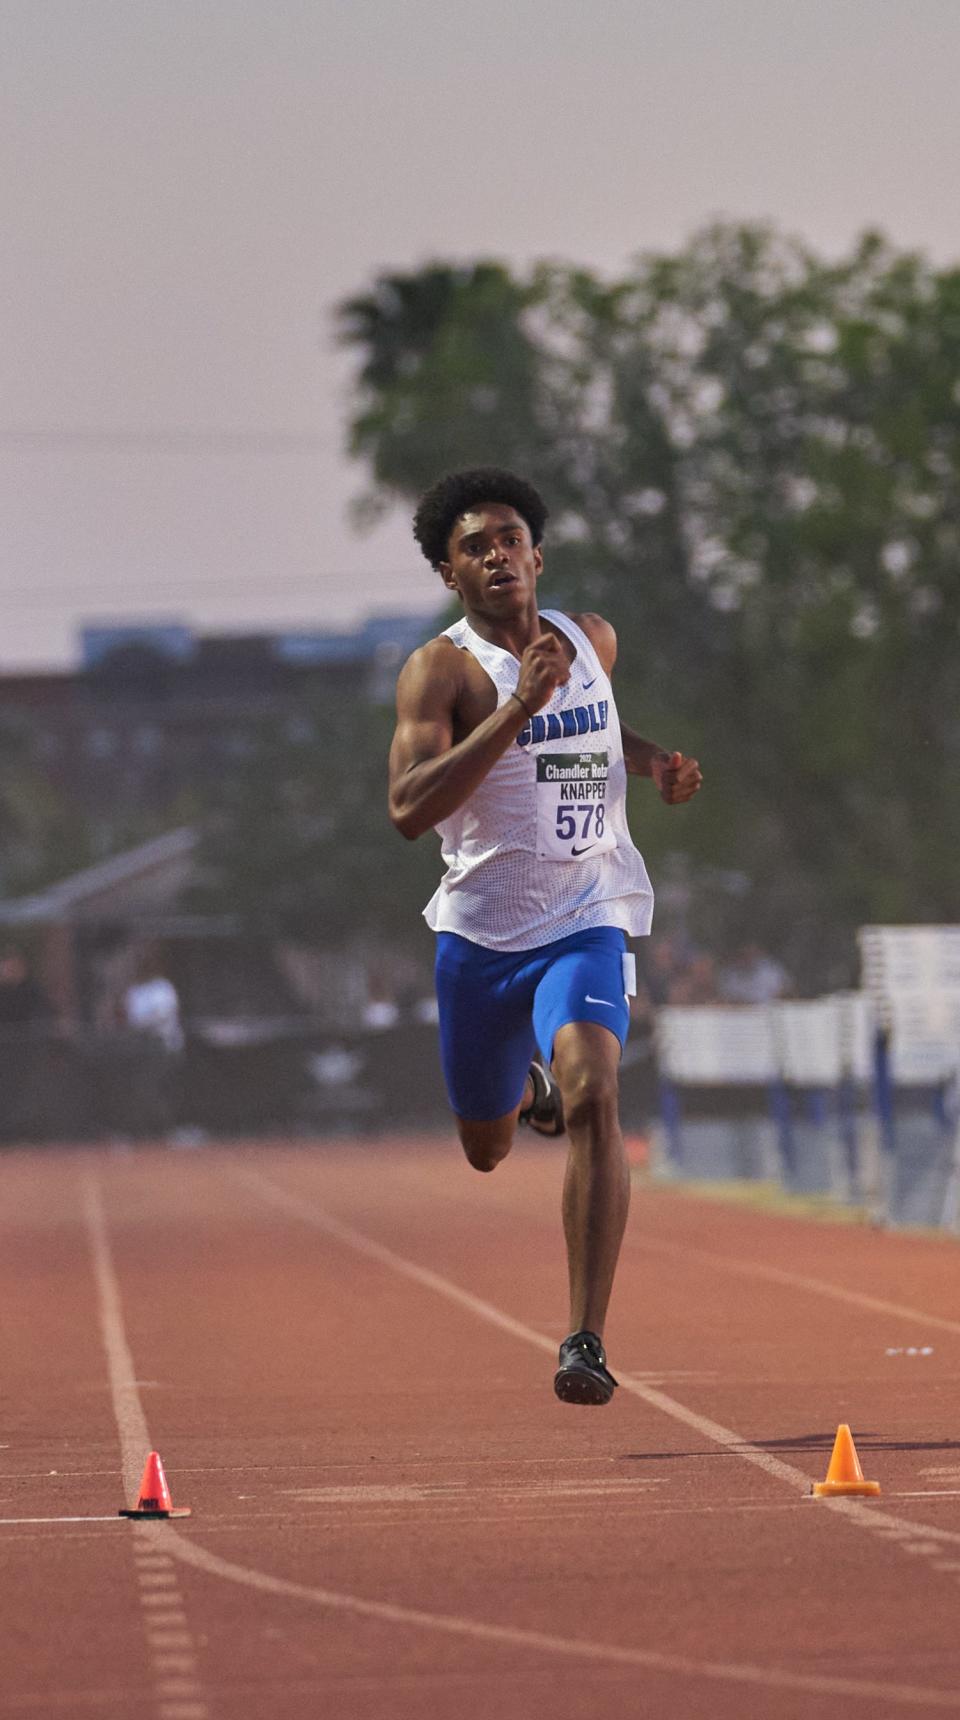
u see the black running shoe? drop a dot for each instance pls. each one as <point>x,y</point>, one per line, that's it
<point>544,1113</point>
<point>583,1375</point>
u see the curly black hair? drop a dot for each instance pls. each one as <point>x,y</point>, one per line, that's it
<point>457,492</point>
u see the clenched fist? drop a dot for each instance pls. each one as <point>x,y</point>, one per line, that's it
<point>677,778</point>
<point>543,668</point>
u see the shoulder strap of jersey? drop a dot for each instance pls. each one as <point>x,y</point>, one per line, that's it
<point>585,646</point>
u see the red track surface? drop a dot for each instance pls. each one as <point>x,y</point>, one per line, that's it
<point>392,1515</point>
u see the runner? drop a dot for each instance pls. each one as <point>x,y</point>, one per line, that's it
<point>508,744</point>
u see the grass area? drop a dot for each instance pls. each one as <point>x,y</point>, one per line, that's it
<point>767,1196</point>
<point>762,1195</point>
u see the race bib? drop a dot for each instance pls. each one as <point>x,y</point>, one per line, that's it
<point>572,806</point>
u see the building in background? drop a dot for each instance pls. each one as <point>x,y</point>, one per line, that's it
<point>155,712</point>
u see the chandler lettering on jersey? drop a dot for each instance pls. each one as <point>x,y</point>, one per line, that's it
<point>565,725</point>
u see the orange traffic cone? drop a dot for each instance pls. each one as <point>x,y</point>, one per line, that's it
<point>844,1474</point>
<point>154,1499</point>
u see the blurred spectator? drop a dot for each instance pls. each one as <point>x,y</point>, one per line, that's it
<point>151,1006</point>
<point>662,961</point>
<point>22,1003</point>
<point>696,983</point>
<point>151,1010</point>
<point>752,976</point>
<point>381,1009</point>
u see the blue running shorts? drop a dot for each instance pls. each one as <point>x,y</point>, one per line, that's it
<point>497,1006</point>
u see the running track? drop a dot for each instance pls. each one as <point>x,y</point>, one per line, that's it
<point>343,1353</point>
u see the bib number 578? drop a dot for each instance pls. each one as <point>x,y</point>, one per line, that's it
<point>591,827</point>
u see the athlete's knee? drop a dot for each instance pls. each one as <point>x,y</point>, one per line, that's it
<point>590,1096</point>
<point>484,1156</point>
<point>485,1145</point>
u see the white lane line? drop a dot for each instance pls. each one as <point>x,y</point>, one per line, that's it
<point>113,1518</point>
<point>127,1408</point>
<point>856,1511</point>
<point>795,1280</point>
<point>570,1648</point>
<point>458,1494</point>
<point>308,1213</point>
<point>156,1574</point>
<point>123,1699</point>
<point>568,1460</point>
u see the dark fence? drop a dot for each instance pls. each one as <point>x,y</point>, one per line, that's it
<point>243,1078</point>
<point>255,1078</point>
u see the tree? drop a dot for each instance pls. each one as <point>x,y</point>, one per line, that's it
<point>752,459</point>
<point>446,363</point>
<point>297,842</point>
<point>43,835</point>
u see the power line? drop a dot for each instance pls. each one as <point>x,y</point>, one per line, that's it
<point>173,440</point>
<point>79,597</point>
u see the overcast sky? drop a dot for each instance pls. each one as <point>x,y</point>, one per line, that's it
<point>189,186</point>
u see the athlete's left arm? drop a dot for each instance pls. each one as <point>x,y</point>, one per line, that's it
<point>678,778</point>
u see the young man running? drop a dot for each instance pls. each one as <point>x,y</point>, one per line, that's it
<point>509,744</point>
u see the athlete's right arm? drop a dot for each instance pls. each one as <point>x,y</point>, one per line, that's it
<point>429,776</point>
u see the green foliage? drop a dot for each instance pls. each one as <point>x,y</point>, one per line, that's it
<point>447,363</point>
<point>752,460</point>
<point>297,841</point>
<point>43,835</point>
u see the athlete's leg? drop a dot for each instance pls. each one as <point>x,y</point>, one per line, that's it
<point>596,1192</point>
<point>486,1043</point>
<point>581,1018</point>
<point>485,1144</point>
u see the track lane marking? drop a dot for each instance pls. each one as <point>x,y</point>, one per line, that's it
<point>865,1515</point>
<point>155,1570</point>
<point>307,1212</point>
<point>737,1673</point>
<point>131,1423</point>
<point>126,1697</point>
<point>113,1518</point>
<point>457,1493</point>
<point>795,1281</point>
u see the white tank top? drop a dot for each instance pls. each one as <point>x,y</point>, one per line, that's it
<point>541,848</point>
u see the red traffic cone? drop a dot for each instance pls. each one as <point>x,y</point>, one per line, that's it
<point>154,1499</point>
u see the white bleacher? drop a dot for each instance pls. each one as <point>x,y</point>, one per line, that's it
<point>912,974</point>
<point>716,1045</point>
<point>902,1160</point>
<point>815,1044</point>
<point>910,959</point>
<point>825,1041</point>
<point>924,1036</point>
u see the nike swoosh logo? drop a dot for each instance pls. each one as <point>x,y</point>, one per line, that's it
<point>588,684</point>
<point>606,1005</point>
<point>583,850</point>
